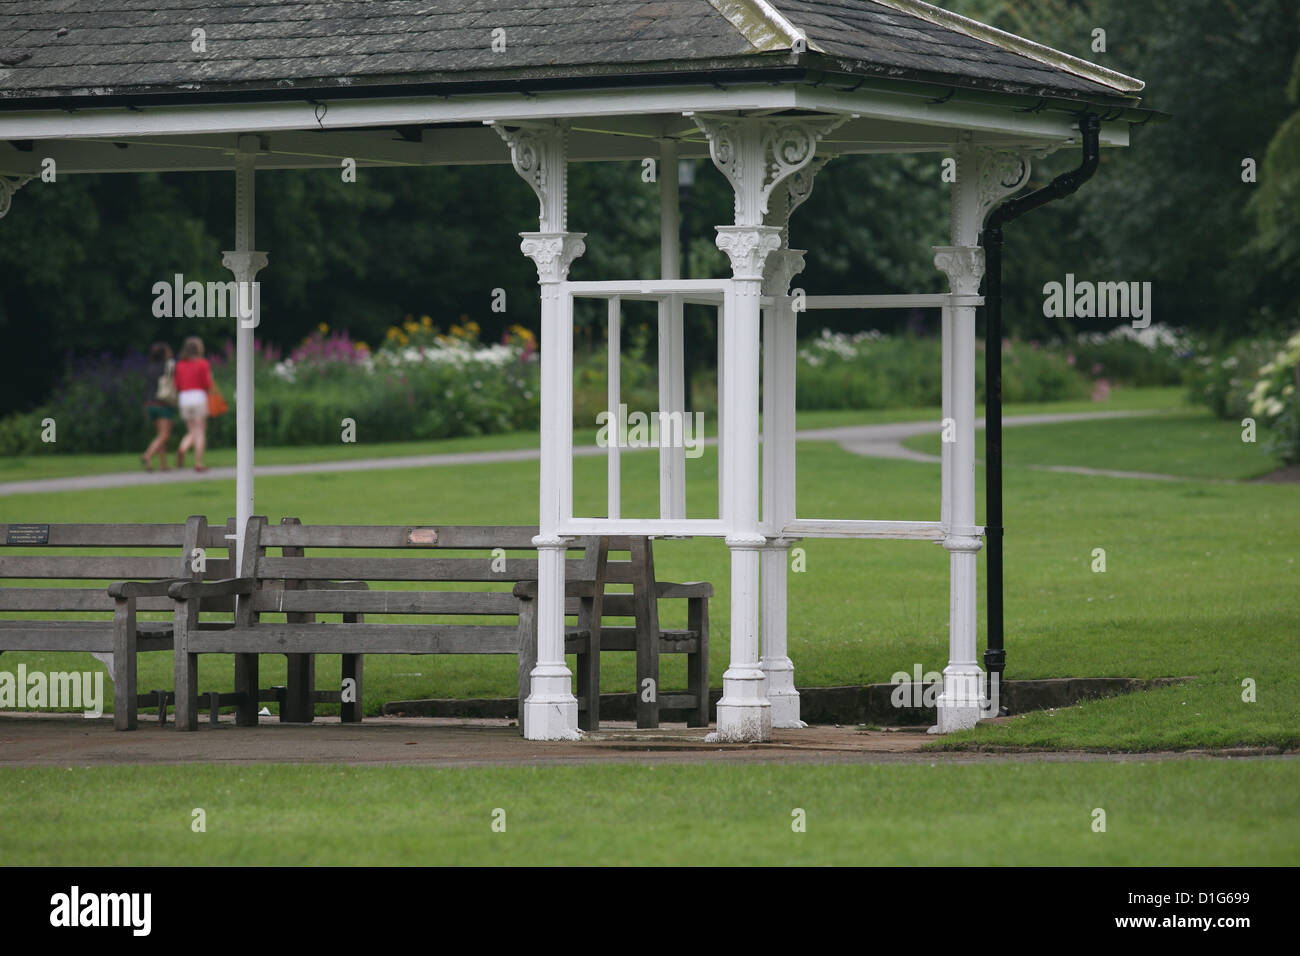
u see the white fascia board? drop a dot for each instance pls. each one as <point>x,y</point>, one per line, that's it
<point>228,119</point>
<point>977,117</point>
<point>343,113</point>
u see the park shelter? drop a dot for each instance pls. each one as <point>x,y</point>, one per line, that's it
<point>768,91</point>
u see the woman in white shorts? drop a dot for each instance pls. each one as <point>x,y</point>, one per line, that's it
<point>193,382</point>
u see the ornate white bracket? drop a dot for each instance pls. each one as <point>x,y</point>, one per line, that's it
<point>553,252</point>
<point>539,155</point>
<point>985,176</point>
<point>782,266</point>
<point>963,265</point>
<point>757,153</point>
<point>9,186</point>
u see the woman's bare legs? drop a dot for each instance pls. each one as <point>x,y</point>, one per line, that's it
<point>200,433</point>
<point>163,429</point>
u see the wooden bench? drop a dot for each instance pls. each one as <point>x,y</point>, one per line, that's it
<point>98,619</point>
<point>302,586</point>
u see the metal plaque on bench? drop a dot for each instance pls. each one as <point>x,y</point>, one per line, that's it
<point>422,536</point>
<point>28,534</point>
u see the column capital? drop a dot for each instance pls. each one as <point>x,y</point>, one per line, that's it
<point>968,543</point>
<point>781,268</point>
<point>8,186</point>
<point>963,265</point>
<point>748,248</point>
<point>553,252</point>
<point>244,265</point>
<point>539,153</point>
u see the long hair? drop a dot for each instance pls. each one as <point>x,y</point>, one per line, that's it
<point>192,348</point>
<point>159,352</point>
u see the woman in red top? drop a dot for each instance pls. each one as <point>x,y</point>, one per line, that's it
<point>193,382</point>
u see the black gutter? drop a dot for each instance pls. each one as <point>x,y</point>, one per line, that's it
<point>995,656</point>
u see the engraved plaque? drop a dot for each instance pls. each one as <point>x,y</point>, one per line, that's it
<point>28,534</point>
<point>427,536</point>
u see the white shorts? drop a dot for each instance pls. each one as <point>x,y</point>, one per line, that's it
<point>193,403</point>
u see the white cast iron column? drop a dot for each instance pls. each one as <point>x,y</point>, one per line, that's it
<point>984,177</point>
<point>672,352</point>
<point>779,357</point>
<point>755,155</point>
<point>539,156</point>
<point>245,263</point>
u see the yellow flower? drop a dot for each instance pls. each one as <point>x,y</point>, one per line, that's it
<point>393,332</point>
<point>401,339</point>
<point>410,326</point>
<point>361,346</point>
<point>323,328</point>
<point>457,331</point>
<point>426,321</point>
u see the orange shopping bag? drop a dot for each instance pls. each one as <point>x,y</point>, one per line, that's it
<point>217,405</point>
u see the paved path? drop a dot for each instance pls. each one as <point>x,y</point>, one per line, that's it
<point>873,441</point>
<point>34,740</point>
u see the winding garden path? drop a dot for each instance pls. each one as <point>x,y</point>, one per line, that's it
<point>872,441</point>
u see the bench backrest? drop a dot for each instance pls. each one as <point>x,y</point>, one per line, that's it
<point>47,554</point>
<point>298,582</point>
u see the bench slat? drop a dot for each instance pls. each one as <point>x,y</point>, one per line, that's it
<point>71,599</point>
<point>385,602</point>
<point>358,639</point>
<point>77,636</point>
<point>105,536</point>
<point>106,567</point>
<point>514,537</point>
<point>403,569</point>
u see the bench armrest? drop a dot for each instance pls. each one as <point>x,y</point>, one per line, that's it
<point>690,589</point>
<point>133,589</point>
<point>226,587</point>
<point>527,590</point>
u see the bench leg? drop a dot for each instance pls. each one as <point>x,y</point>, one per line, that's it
<point>124,657</point>
<point>697,664</point>
<point>350,713</point>
<point>187,698</point>
<point>527,653</point>
<point>298,707</point>
<point>589,687</point>
<point>246,688</point>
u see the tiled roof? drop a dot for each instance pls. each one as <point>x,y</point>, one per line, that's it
<point>60,48</point>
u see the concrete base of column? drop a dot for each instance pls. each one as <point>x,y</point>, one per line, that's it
<point>551,710</point>
<point>781,693</point>
<point>744,715</point>
<point>962,704</point>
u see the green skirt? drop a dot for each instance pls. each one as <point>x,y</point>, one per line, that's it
<point>161,411</point>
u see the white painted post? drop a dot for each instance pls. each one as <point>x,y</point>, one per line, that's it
<point>245,264</point>
<point>672,356</point>
<point>614,400</point>
<point>984,177</point>
<point>755,155</point>
<point>539,156</point>
<point>779,337</point>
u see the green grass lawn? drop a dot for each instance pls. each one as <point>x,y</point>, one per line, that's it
<point>1201,578</point>
<point>1185,442</point>
<point>54,465</point>
<point>1169,813</point>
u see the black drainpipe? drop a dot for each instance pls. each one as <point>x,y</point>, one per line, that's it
<point>995,656</point>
